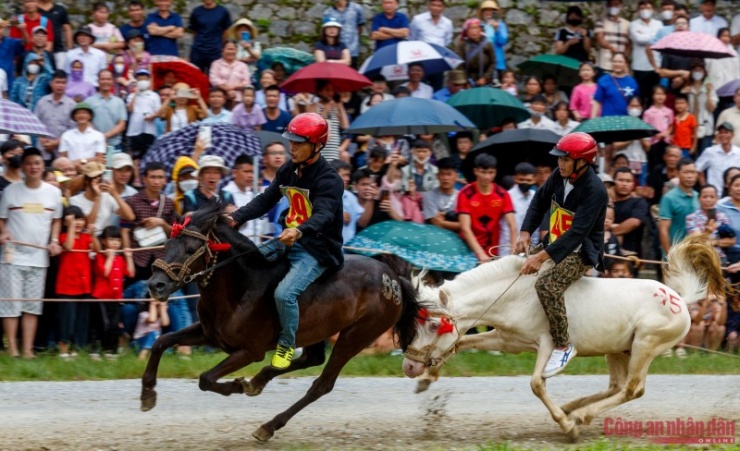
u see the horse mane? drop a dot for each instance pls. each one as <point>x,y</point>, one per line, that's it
<point>483,275</point>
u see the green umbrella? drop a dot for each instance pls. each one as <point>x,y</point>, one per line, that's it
<point>488,107</point>
<point>422,245</point>
<point>610,129</point>
<point>564,68</point>
<point>291,59</point>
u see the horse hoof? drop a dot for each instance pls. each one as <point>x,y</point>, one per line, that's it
<point>262,434</point>
<point>423,385</point>
<point>248,388</point>
<point>573,433</point>
<point>148,401</point>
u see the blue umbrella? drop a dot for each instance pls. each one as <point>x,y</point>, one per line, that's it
<point>393,60</point>
<point>728,89</point>
<point>410,116</point>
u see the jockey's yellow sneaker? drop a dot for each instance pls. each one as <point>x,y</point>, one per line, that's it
<point>283,356</point>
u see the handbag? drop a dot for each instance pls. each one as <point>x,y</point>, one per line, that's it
<point>154,236</point>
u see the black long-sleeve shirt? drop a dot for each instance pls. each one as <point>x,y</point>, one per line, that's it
<point>315,200</point>
<point>588,201</point>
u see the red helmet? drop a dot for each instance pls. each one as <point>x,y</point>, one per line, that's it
<point>576,145</point>
<point>308,127</point>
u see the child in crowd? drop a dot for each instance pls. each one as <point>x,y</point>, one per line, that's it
<point>149,327</point>
<point>110,269</point>
<point>74,281</point>
<point>583,93</point>
<point>618,269</point>
<point>660,117</point>
<point>350,205</point>
<point>508,82</point>
<point>684,126</point>
<point>611,243</point>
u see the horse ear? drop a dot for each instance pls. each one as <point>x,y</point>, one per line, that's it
<point>418,279</point>
<point>444,298</point>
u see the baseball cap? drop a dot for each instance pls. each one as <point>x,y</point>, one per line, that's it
<point>39,29</point>
<point>92,169</point>
<point>121,160</point>
<point>727,126</point>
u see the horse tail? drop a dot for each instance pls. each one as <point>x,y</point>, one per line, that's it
<point>694,269</point>
<point>405,327</point>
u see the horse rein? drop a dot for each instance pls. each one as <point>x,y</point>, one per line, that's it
<point>424,355</point>
<point>210,248</point>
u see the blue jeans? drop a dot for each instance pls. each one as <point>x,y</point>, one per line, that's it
<point>179,313</point>
<point>304,269</point>
<point>147,341</point>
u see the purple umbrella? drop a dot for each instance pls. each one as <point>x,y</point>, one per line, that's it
<point>19,120</point>
<point>728,89</point>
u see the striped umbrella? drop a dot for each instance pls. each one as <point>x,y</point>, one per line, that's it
<point>17,119</point>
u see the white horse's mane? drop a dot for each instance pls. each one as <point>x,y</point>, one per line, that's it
<point>483,275</point>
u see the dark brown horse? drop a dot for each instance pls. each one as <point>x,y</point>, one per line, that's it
<point>238,315</point>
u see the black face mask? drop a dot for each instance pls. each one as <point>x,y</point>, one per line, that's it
<point>574,21</point>
<point>524,187</point>
<point>15,161</point>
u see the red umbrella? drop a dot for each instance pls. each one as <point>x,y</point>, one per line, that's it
<point>342,78</point>
<point>184,72</point>
<point>692,45</point>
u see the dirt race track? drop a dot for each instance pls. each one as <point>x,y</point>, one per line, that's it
<point>361,413</point>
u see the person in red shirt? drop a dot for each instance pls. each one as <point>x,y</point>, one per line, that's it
<point>480,206</point>
<point>74,281</point>
<point>110,269</point>
<point>23,25</point>
<point>684,126</point>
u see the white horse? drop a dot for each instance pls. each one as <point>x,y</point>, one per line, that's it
<point>631,321</point>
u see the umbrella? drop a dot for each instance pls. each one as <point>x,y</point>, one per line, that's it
<point>409,116</point>
<point>434,58</point>
<point>728,89</point>
<point>341,77</point>
<point>488,107</point>
<point>227,141</point>
<point>422,245</point>
<point>266,138</point>
<point>692,45</point>
<point>290,58</point>
<point>512,147</point>
<point>564,68</point>
<point>17,119</point>
<point>185,72</point>
<point>610,129</point>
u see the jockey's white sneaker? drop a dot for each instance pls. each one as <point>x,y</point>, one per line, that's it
<point>558,361</point>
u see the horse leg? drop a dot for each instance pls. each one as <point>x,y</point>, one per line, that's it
<point>351,341</point>
<point>313,355</point>
<point>189,336</point>
<point>643,353</point>
<point>617,375</point>
<point>537,383</point>
<point>208,381</point>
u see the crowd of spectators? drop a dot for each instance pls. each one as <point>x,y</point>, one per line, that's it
<point>71,219</point>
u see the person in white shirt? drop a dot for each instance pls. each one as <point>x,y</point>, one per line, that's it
<point>30,212</point>
<point>415,85</point>
<point>563,123</point>
<point>708,22</point>
<point>642,33</point>
<point>100,201</point>
<point>143,108</point>
<point>717,159</point>
<point>521,195</point>
<point>3,84</point>
<point>242,188</point>
<point>93,60</point>
<point>432,27</point>
<point>537,119</point>
<point>82,142</point>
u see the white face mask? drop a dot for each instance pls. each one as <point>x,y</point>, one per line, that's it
<point>666,15</point>
<point>614,10</point>
<point>634,112</point>
<point>33,69</point>
<point>119,68</point>
<point>143,85</point>
<point>422,160</point>
<point>187,185</point>
<point>646,13</point>
<point>698,76</point>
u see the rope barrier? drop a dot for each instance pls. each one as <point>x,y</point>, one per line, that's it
<point>699,348</point>
<point>190,296</point>
<point>137,249</point>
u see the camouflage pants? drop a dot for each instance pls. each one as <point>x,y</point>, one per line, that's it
<point>551,286</point>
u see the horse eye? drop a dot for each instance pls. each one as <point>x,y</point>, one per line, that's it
<point>433,326</point>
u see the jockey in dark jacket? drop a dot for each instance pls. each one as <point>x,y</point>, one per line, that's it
<point>313,223</point>
<point>575,199</point>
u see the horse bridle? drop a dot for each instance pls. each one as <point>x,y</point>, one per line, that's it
<point>424,355</point>
<point>182,276</point>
